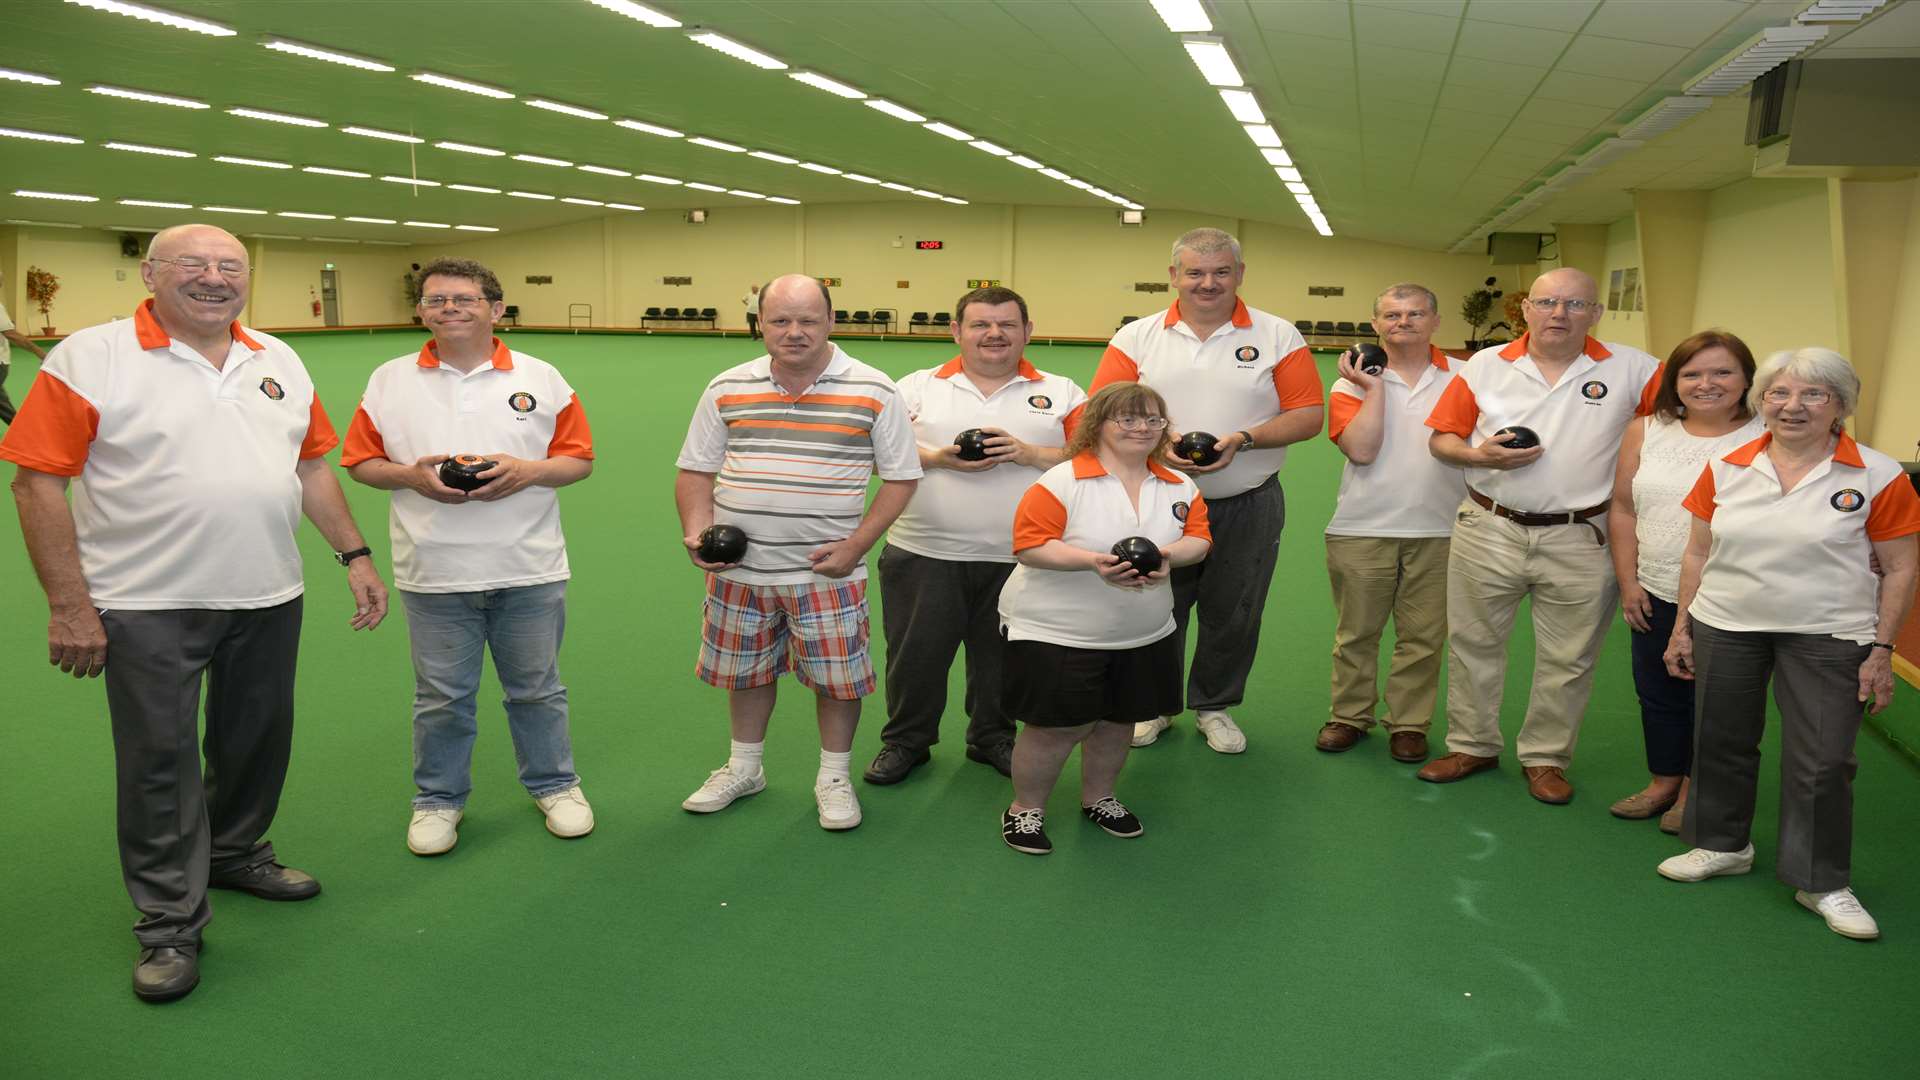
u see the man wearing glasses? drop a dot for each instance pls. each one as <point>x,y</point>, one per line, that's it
<point>481,570</point>
<point>193,446</point>
<point>1534,525</point>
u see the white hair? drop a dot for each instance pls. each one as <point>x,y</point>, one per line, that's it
<point>1206,242</point>
<point>1813,364</point>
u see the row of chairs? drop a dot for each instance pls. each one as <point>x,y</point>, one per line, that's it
<point>1342,333</point>
<point>879,319</point>
<point>939,321</point>
<point>679,315</point>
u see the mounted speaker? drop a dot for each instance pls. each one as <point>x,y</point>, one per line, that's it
<point>1511,248</point>
<point>129,245</point>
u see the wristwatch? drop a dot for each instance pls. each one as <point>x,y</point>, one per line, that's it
<point>1887,645</point>
<point>345,557</point>
<point>1246,439</point>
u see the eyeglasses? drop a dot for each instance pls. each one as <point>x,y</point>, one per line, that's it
<point>1546,304</point>
<point>1135,423</point>
<point>468,302</point>
<point>1780,395</point>
<point>193,264</point>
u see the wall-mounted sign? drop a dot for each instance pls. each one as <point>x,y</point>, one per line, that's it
<point>983,283</point>
<point>830,282</point>
<point>1149,286</point>
<point>539,279</point>
<point>930,245</point>
<point>676,281</point>
<point>900,285</point>
<point>1326,290</point>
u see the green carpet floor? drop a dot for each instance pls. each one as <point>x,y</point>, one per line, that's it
<point>1287,914</point>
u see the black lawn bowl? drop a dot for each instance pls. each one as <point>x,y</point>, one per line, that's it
<point>973,444</point>
<point>1143,553</point>
<point>462,472</point>
<point>1370,358</point>
<point>722,544</point>
<point>1197,447</point>
<point>1524,438</point>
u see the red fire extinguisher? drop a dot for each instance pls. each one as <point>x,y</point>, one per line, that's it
<point>316,301</point>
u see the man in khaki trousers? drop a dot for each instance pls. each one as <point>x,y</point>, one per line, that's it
<point>1534,525</point>
<point>1387,542</point>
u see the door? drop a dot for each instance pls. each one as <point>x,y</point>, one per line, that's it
<point>330,297</point>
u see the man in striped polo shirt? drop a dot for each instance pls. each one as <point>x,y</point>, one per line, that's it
<point>783,446</point>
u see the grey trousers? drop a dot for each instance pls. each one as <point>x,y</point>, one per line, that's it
<point>1816,684</point>
<point>1230,588</point>
<point>929,608</point>
<point>178,823</point>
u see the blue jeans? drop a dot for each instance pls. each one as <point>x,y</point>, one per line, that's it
<point>522,628</point>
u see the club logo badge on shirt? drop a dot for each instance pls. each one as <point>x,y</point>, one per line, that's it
<point>1593,391</point>
<point>1847,500</point>
<point>521,402</point>
<point>1179,511</point>
<point>271,389</point>
<point>1246,354</point>
<point>1040,401</point>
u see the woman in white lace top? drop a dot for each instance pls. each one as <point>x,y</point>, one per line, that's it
<point>1701,410</point>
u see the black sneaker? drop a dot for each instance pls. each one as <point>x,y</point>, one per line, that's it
<point>1026,831</point>
<point>998,755</point>
<point>1116,819</point>
<point>893,763</point>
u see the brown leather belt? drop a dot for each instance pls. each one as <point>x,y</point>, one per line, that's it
<point>1532,520</point>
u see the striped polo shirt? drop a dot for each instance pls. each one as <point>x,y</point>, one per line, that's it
<point>792,471</point>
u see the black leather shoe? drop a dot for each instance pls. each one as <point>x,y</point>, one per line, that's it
<point>166,972</point>
<point>269,882</point>
<point>999,755</point>
<point>892,764</point>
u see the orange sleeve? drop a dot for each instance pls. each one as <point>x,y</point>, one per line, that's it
<point>1700,499</point>
<point>1341,409</point>
<point>1040,517</point>
<point>1197,519</point>
<point>1649,392</point>
<point>363,440</point>
<point>1297,381</point>
<point>1895,511</point>
<point>1115,366</point>
<point>1456,412</point>
<point>53,430</point>
<point>320,434</point>
<point>571,436</point>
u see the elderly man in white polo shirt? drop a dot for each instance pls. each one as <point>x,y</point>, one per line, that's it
<point>948,555</point>
<point>1534,525</point>
<point>193,447</point>
<point>10,337</point>
<point>480,571</point>
<point>1247,378</point>
<point>1387,542</point>
<point>782,447</point>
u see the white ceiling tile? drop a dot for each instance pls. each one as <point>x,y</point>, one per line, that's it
<point>1502,78</point>
<point>1399,27</point>
<point>1590,89</point>
<point>1506,43</point>
<point>1322,18</point>
<point>1380,61</point>
<point>1576,119</point>
<point>1671,22</point>
<point>1543,14</point>
<point>1486,102</point>
<point>1616,59</point>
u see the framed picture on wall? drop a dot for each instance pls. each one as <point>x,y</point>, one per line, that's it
<point>1630,289</point>
<point>1613,290</point>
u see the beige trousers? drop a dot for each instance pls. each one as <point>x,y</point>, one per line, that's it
<point>1375,578</point>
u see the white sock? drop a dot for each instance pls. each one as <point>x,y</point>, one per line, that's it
<point>835,765</point>
<point>744,759</point>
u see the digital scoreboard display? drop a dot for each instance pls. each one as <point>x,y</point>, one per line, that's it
<point>930,245</point>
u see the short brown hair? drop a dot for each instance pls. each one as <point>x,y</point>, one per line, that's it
<point>1666,402</point>
<point>992,296</point>
<point>1114,400</point>
<point>447,266</point>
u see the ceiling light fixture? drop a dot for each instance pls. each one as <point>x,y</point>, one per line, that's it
<point>1215,63</point>
<point>155,15</point>
<point>469,148</point>
<point>892,186</point>
<point>698,186</point>
<point>783,200</point>
<point>723,44</point>
<point>141,148</point>
<point>1183,16</point>
<point>475,188</point>
<point>651,129</point>
<point>859,178</point>
<point>412,180</point>
<point>1244,106</point>
<point>1276,156</point>
<point>569,110</point>
<point>43,136</point>
<point>824,170</point>
<point>476,228</point>
<point>954,201</point>
<point>428,224</point>
<point>374,220</point>
<point>781,159</point>
<point>604,171</point>
<point>623,206</point>
<point>295,48</point>
<point>278,118</point>
<point>745,194</point>
<point>258,163</point>
<point>304,214</point>
<point>582,202</point>
<point>376,133</point>
<point>652,179</point>
<point>639,12</point>
<point>326,171</point>
<point>142,95</point>
<point>831,86</point>
<point>949,131</point>
<point>156,204</point>
<point>716,144</point>
<point>1298,188</point>
<point>898,111</point>
<point>15,75</point>
<point>60,196</point>
<point>1055,174</point>
<point>925,194</point>
<point>992,148</point>
<point>531,195</point>
<point>536,159</point>
<point>1292,175</point>
<point>1263,135</point>
<point>1026,162</point>
<point>462,85</point>
<point>232,210</point>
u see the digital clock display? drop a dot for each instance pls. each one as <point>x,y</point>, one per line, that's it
<point>930,245</point>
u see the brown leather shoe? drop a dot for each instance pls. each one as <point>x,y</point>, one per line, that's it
<point>1447,768</point>
<point>1338,738</point>
<point>1640,805</point>
<point>1548,783</point>
<point>1408,746</point>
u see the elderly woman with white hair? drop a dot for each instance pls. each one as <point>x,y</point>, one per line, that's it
<point>1777,583</point>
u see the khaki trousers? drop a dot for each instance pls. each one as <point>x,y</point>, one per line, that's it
<point>1568,575</point>
<point>1374,578</point>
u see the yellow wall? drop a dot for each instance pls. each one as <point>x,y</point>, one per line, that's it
<point>1766,265</point>
<point>1895,407</point>
<point>97,283</point>
<point>287,278</point>
<point>1623,252</point>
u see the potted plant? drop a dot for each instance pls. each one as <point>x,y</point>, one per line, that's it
<point>42,286</point>
<point>1477,309</point>
<point>410,286</point>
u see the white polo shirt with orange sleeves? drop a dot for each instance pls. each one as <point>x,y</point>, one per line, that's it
<point>1579,420</point>
<point>515,404</point>
<point>968,516</point>
<point>184,492</point>
<point>1797,563</point>
<point>1079,503</point>
<point>1406,491</point>
<point>1248,371</point>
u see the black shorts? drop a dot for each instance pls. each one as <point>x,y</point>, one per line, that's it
<point>1050,685</point>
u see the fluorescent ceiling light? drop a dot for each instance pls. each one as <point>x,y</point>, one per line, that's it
<point>428,224</point>
<point>1133,206</point>
<point>1026,162</point>
<point>1244,106</point>
<point>278,118</point>
<point>232,210</point>
<point>60,196</point>
<point>623,206</point>
<point>582,202</point>
<point>1276,156</point>
<point>413,180</point>
<point>42,224</point>
<point>476,188</point>
<point>476,228</point>
<point>716,144</point>
<point>824,170</point>
<point>1289,174</point>
<point>304,214</point>
<point>925,194</point>
<point>651,129</point>
<point>783,200</point>
<point>652,179</point>
<point>1055,174</point>
<point>1183,16</point>
<point>1263,135</point>
<point>376,133</point>
<point>531,195</point>
<point>780,158</point>
<point>900,111</point>
<point>1215,63</point>
<point>157,204</point>
<point>1320,226</point>
<point>954,201</point>
<point>258,163</point>
<point>42,136</point>
<point>28,77</point>
<point>640,12</point>
<point>310,52</point>
<point>142,95</point>
<point>155,15</point>
<point>1076,183</point>
<point>949,131</point>
<point>831,86</point>
<point>1298,188</point>
<point>698,186</point>
<point>992,148</point>
<point>859,178</point>
<point>536,159</point>
<point>325,171</point>
<point>570,110</point>
<point>745,194</point>
<point>462,85</point>
<point>331,240</point>
<point>723,44</point>
<point>140,148</point>
<point>469,148</point>
<point>272,236</point>
<point>604,171</point>
<point>374,220</point>
<point>891,186</point>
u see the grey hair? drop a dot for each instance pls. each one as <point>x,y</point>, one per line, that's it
<point>1206,242</point>
<point>1408,288</point>
<point>1813,364</point>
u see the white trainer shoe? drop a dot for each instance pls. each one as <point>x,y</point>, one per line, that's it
<point>1701,864</point>
<point>723,786</point>
<point>839,807</point>
<point>1223,735</point>
<point>434,832</point>
<point>568,814</point>
<point>1843,913</point>
<point>1146,732</point>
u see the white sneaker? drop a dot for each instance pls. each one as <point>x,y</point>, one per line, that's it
<point>434,832</point>
<point>1701,864</point>
<point>1843,913</point>
<point>839,807</point>
<point>1223,735</point>
<point>568,814</point>
<point>723,786</point>
<point>1146,732</point>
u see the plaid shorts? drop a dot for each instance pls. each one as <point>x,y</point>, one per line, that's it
<point>752,634</point>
